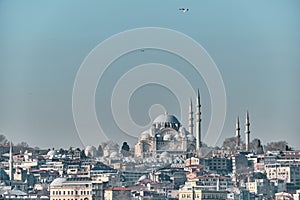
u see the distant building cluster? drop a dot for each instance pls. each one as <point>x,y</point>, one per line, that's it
<point>167,162</point>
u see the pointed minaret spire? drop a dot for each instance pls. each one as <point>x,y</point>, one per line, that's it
<point>11,163</point>
<point>191,119</point>
<point>237,132</point>
<point>198,124</point>
<point>247,131</point>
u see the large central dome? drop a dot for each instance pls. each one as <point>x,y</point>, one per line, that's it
<point>166,118</point>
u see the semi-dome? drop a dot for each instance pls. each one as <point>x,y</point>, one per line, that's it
<point>166,118</point>
<point>145,135</point>
<point>168,137</point>
<point>164,155</point>
<point>177,137</point>
<point>142,178</point>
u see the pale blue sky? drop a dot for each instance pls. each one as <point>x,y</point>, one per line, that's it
<point>255,44</point>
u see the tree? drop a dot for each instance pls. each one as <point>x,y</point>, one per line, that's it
<point>3,139</point>
<point>82,154</point>
<point>23,146</point>
<point>100,150</point>
<point>78,149</point>
<point>125,149</point>
<point>110,145</point>
<point>259,175</point>
<point>277,146</point>
<point>229,143</point>
<point>125,146</point>
<point>256,146</point>
<point>61,151</point>
<point>288,148</point>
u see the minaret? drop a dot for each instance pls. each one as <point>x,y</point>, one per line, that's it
<point>191,119</point>
<point>247,131</point>
<point>198,124</point>
<point>237,133</point>
<point>11,163</point>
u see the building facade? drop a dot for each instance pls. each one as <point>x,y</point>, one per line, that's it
<point>290,173</point>
<point>191,193</point>
<point>76,189</point>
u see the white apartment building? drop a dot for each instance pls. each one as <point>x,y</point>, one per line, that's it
<point>211,182</point>
<point>288,172</point>
<point>76,189</point>
<point>53,165</point>
<point>261,187</point>
<point>190,193</point>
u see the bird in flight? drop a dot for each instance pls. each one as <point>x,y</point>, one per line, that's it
<point>184,9</point>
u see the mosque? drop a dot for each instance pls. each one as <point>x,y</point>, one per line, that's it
<point>168,138</point>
